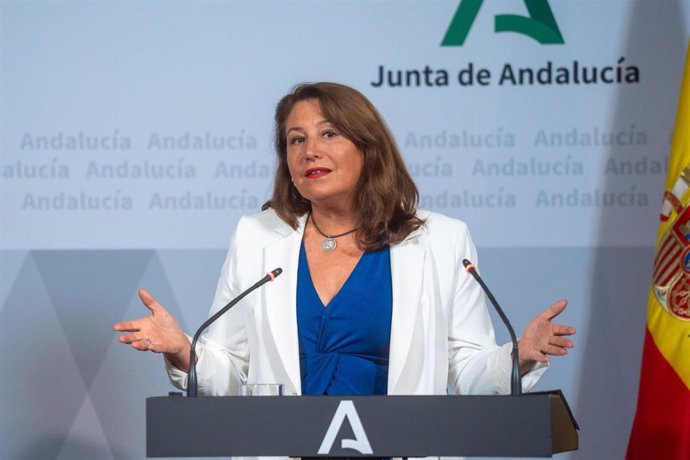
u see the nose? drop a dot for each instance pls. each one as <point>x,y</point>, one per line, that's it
<point>312,148</point>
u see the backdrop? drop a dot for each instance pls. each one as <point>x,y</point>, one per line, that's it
<point>134,135</point>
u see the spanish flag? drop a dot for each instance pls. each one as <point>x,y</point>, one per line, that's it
<point>662,423</point>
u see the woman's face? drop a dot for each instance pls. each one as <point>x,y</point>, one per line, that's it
<point>325,166</point>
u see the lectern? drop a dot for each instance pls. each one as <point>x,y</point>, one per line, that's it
<point>531,425</point>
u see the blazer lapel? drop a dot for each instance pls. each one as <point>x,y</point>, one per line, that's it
<point>407,270</point>
<point>281,298</point>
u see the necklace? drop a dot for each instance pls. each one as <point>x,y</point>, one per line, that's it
<point>328,244</point>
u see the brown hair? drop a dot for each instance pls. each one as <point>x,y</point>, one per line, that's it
<point>386,195</point>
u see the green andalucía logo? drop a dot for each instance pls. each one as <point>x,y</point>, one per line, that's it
<point>539,25</point>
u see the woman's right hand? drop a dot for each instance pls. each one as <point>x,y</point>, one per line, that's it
<point>159,332</point>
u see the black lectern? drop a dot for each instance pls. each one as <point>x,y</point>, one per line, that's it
<point>531,425</point>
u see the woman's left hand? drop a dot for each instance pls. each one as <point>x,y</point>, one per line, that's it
<point>542,339</point>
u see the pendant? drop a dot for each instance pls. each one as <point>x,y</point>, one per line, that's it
<point>328,244</point>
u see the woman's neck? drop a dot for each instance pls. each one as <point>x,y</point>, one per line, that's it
<point>333,221</point>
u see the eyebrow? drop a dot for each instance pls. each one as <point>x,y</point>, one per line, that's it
<point>299,128</point>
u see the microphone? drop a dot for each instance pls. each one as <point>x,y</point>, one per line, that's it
<point>191,380</point>
<point>515,381</point>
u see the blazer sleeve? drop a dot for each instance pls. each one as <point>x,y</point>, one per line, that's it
<point>223,353</point>
<point>476,365</point>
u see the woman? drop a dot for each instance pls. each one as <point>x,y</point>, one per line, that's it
<point>373,299</point>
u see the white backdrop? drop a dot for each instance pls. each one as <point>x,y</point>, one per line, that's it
<point>134,134</point>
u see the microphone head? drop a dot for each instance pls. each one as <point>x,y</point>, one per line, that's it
<point>270,276</point>
<point>470,268</point>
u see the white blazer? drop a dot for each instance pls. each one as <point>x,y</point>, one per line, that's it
<point>441,341</point>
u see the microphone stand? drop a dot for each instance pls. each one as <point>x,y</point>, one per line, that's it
<point>192,380</point>
<point>515,381</point>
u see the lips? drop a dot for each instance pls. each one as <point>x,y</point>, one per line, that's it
<point>315,173</point>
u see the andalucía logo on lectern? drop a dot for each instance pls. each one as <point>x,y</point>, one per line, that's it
<point>346,410</point>
<point>671,279</point>
<point>539,25</point>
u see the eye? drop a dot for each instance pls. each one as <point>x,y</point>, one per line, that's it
<point>330,133</point>
<point>295,140</point>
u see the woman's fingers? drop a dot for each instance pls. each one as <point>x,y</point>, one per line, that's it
<point>127,326</point>
<point>554,350</point>
<point>562,342</point>
<point>135,325</point>
<point>562,329</point>
<point>131,338</point>
<point>554,310</point>
<point>158,332</point>
<point>150,301</point>
<point>141,345</point>
<point>139,341</point>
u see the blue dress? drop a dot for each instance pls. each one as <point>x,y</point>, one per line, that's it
<point>344,346</point>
